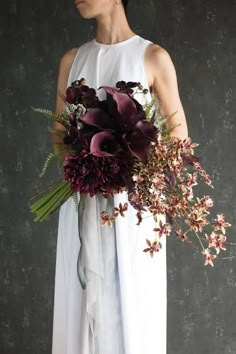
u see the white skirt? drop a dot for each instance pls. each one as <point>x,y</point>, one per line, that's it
<point>122,308</point>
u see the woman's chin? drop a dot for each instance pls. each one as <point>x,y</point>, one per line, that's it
<point>85,14</point>
<point>81,7</point>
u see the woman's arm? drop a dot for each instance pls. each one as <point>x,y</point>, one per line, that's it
<point>64,69</point>
<point>166,86</point>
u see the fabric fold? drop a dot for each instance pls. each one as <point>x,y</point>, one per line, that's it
<point>90,263</point>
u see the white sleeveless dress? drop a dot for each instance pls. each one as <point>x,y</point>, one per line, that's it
<point>123,308</point>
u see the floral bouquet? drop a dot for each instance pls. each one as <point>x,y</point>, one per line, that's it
<point>115,145</point>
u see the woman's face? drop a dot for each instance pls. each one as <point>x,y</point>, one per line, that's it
<point>94,8</point>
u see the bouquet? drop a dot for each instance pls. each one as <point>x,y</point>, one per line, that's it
<point>117,144</point>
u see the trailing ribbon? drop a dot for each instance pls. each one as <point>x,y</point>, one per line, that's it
<point>90,267</point>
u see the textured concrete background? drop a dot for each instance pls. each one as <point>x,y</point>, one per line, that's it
<point>201,39</point>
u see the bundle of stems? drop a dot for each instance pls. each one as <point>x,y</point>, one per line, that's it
<point>56,195</point>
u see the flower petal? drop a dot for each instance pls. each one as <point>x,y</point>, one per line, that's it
<point>137,143</point>
<point>98,118</point>
<point>104,144</point>
<point>147,129</point>
<point>125,106</point>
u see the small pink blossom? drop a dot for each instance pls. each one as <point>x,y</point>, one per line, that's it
<point>207,202</point>
<point>220,223</point>
<point>156,208</point>
<point>154,246</point>
<point>182,236</point>
<point>207,178</point>
<point>196,221</point>
<point>198,168</point>
<point>208,257</point>
<point>121,209</point>
<point>163,229</point>
<point>216,241</point>
<point>107,219</point>
<point>187,192</point>
<point>192,179</point>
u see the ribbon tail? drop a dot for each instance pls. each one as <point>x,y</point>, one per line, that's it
<point>80,268</point>
<point>90,259</point>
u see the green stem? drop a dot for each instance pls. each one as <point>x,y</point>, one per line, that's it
<point>199,239</point>
<point>57,196</point>
<point>53,204</point>
<point>49,187</point>
<point>38,204</point>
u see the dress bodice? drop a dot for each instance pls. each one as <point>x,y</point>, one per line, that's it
<point>105,64</point>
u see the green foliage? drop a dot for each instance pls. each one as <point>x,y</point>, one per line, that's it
<point>56,195</point>
<point>50,157</point>
<point>60,118</point>
<point>76,200</point>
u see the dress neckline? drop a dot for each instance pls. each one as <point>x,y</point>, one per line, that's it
<point>126,41</point>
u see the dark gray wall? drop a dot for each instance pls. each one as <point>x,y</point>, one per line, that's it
<point>201,38</point>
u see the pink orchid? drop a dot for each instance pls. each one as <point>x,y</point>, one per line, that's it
<point>208,257</point>
<point>154,246</point>
<point>220,223</point>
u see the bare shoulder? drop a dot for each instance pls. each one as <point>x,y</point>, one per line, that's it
<point>68,58</point>
<point>164,83</point>
<point>160,62</point>
<point>159,55</point>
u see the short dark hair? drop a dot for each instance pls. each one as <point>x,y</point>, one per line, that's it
<point>125,4</point>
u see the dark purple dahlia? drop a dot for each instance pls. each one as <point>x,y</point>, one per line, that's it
<point>89,174</point>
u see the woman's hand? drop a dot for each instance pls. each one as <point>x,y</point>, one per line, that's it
<point>164,84</point>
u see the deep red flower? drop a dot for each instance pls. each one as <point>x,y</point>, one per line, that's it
<point>91,174</point>
<point>79,93</point>
<point>104,144</point>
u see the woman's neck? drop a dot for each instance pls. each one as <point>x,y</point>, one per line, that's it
<point>114,28</point>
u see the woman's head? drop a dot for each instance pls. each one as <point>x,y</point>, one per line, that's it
<point>95,8</point>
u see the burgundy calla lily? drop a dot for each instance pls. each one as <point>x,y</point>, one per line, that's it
<point>104,144</point>
<point>98,118</point>
<point>137,143</point>
<point>147,128</point>
<point>117,125</point>
<point>129,109</point>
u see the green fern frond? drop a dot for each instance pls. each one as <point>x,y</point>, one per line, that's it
<point>167,131</point>
<point>46,112</point>
<point>60,118</point>
<point>50,157</point>
<point>148,108</point>
<point>76,200</point>
<point>63,118</point>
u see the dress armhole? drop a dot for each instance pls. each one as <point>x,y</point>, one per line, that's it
<point>72,67</point>
<point>145,76</point>
<point>146,45</point>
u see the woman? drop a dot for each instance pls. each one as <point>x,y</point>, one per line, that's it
<point>113,301</point>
